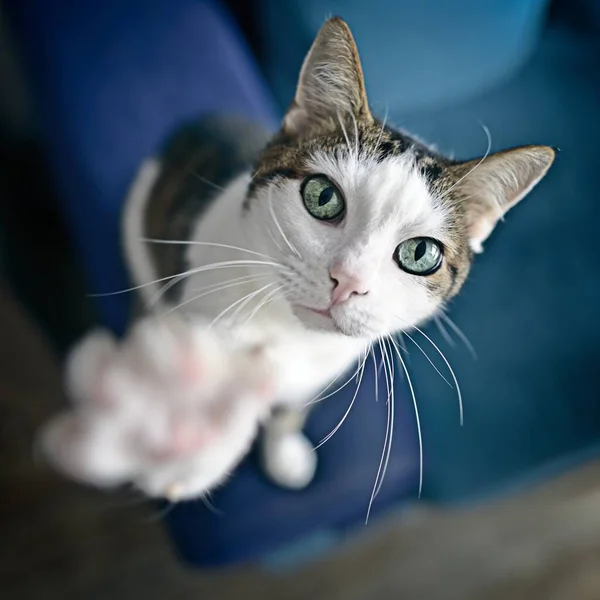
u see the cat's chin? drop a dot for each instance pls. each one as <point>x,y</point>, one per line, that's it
<point>324,320</point>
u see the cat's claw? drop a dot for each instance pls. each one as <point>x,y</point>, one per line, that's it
<point>172,409</point>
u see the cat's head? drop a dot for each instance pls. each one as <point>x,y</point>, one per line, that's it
<point>376,230</point>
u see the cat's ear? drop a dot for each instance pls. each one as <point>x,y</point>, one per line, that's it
<point>490,187</point>
<point>331,84</point>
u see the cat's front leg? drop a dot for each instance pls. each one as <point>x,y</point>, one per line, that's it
<point>172,409</point>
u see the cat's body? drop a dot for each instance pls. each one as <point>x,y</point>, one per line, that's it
<point>221,219</point>
<point>213,202</point>
<point>297,255</point>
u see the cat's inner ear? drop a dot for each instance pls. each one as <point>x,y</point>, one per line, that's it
<point>492,186</point>
<point>331,85</point>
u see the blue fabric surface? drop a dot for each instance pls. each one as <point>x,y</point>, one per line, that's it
<point>414,54</point>
<point>112,79</point>
<point>336,502</point>
<point>530,307</point>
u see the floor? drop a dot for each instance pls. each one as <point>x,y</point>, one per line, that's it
<point>62,541</point>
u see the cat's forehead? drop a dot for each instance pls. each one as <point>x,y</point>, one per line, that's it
<point>373,139</point>
<point>395,177</point>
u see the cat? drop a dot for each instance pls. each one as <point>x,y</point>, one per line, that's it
<point>258,293</point>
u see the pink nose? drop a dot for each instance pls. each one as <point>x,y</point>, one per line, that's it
<point>345,286</point>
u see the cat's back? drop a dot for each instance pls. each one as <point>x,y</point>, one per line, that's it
<point>174,190</point>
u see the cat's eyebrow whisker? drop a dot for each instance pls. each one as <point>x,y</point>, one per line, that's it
<point>383,124</point>
<point>356,147</point>
<point>484,157</point>
<point>344,417</point>
<point>460,333</point>
<point>198,243</point>
<point>217,288</point>
<point>341,122</point>
<point>285,239</point>
<point>203,268</point>
<point>274,240</point>
<point>417,418</point>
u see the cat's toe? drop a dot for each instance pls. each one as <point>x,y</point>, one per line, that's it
<point>92,452</point>
<point>86,367</point>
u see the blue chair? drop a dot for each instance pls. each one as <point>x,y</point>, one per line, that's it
<point>111,80</point>
<point>530,308</point>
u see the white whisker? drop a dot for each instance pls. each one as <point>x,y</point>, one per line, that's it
<point>412,339</point>
<point>340,373</point>
<point>161,514</point>
<point>206,499</point>
<point>376,148</point>
<point>203,268</point>
<point>444,332</point>
<point>356,147</point>
<point>285,239</point>
<point>465,340</point>
<point>458,392</point>
<point>345,134</point>
<point>320,399</point>
<point>487,152</point>
<point>376,375</point>
<point>336,428</point>
<point>243,301</point>
<point>217,288</point>
<point>389,433</point>
<point>382,467</point>
<point>167,286</point>
<point>198,243</point>
<point>207,181</point>
<point>417,418</point>
<point>269,297</point>
<point>274,240</point>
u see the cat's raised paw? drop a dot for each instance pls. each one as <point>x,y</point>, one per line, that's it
<point>172,408</point>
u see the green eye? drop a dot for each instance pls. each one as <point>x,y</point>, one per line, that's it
<point>322,199</point>
<point>419,256</point>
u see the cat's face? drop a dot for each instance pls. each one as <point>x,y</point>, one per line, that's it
<point>376,230</point>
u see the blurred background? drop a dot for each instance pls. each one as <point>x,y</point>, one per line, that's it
<point>511,502</point>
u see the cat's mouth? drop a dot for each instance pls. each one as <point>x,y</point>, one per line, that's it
<point>324,313</point>
<point>339,322</point>
<point>322,319</point>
